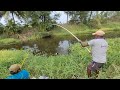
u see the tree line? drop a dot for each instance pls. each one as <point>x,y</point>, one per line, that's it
<point>43,19</point>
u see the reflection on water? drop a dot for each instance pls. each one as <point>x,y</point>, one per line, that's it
<point>55,44</point>
<point>63,47</point>
<point>34,49</point>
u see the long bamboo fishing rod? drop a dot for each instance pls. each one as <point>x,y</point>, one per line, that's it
<point>71,34</point>
<point>23,61</point>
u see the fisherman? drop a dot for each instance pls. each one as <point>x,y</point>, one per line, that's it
<point>17,73</point>
<point>99,48</point>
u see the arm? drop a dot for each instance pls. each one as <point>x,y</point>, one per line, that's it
<point>10,77</point>
<point>84,44</point>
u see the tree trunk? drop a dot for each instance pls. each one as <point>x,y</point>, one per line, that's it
<point>67,17</point>
<point>90,16</point>
<point>13,17</point>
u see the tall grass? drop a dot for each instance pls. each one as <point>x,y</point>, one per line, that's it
<point>112,25</point>
<point>7,58</point>
<point>8,41</point>
<point>75,29</point>
<point>83,29</point>
<point>63,66</point>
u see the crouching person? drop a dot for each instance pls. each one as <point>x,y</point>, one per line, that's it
<point>17,73</point>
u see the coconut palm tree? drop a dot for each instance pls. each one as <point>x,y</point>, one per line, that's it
<point>7,15</point>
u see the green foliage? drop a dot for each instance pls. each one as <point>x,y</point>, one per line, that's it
<point>75,29</point>
<point>7,58</point>
<point>1,28</point>
<point>12,28</point>
<point>40,19</point>
<point>8,41</point>
<point>34,36</point>
<point>95,23</point>
<point>39,35</point>
<point>77,16</point>
<point>112,69</point>
<point>111,25</point>
<point>63,66</point>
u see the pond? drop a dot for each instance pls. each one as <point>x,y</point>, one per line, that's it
<point>55,45</point>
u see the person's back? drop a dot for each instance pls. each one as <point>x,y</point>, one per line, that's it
<point>99,48</point>
<point>17,73</point>
<point>23,74</point>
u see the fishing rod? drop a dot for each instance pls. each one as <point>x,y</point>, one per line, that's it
<point>23,61</point>
<point>71,34</point>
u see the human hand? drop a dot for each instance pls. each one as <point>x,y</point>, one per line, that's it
<point>90,53</point>
<point>79,41</point>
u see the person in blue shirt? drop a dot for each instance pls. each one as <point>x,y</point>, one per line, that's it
<point>17,73</point>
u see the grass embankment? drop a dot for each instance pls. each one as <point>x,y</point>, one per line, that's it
<point>19,38</point>
<point>77,30</point>
<point>63,66</point>
<point>9,41</point>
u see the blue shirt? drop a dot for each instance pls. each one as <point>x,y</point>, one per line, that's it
<point>23,74</point>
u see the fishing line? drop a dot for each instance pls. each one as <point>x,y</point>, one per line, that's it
<point>71,34</point>
<point>23,61</point>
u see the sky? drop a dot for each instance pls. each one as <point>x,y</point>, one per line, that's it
<point>62,19</point>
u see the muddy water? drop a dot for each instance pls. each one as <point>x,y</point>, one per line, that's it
<point>55,45</point>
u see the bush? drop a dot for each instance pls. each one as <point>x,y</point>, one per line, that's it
<point>63,66</point>
<point>94,24</point>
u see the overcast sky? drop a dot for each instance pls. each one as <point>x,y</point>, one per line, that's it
<point>62,19</point>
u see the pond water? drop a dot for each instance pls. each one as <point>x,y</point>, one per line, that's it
<point>55,45</point>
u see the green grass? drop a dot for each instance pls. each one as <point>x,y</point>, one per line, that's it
<point>9,41</point>
<point>77,30</point>
<point>38,35</point>
<point>8,57</point>
<point>34,36</point>
<point>83,29</point>
<point>112,25</point>
<point>63,66</point>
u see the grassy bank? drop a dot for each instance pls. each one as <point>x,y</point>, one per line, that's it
<point>9,41</point>
<point>77,30</point>
<point>63,66</point>
<point>18,39</point>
